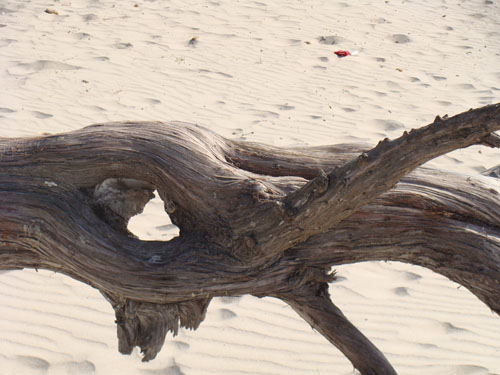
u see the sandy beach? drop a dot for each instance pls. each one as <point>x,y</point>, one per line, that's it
<point>263,72</point>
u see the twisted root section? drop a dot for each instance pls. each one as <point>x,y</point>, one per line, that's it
<point>146,324</point>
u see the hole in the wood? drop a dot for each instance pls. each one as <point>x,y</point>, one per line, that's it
<point>153,224</point>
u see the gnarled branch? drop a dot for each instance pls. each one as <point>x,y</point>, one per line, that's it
<point>253,219</point>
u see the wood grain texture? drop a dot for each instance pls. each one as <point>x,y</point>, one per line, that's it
<point>253,219</point>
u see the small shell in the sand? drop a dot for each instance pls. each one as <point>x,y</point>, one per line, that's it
<point>331,39</point>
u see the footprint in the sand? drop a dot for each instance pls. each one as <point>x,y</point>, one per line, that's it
<point>477,15</point>
<point>265,114</point>
<point>6,42</point>
<point>330,40</point>
<point>41,115</point>
<point>181,345</point>
<point>485,92</point>
<point>389,125</point>
<point>450,328</point>
<point>81,36</point>
<point>152,101</point>
<point>392,84</point>
<point>439,78</point>
<point>487,100</point>
<point>379,20</point>
<point>471,370</point>
<point>348,109</point>
<point>39,65</point>
<point>401,291</point>
<point>4,10</point>
<point>400,38</point>
<point>411,276</point>
<point>380,94</point>
<point>212,72</point>
<point>89,17</point>
<point>174,370</point>
<point>95,108</point>
<point>225,314</point>
<point>80,368</point>
<point>36,363</point>
<point>123,45</point>
<point>285,107</point>
<point>444,103</point>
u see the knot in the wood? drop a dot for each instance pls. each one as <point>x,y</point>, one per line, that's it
<point>310,280</point>
<point>316,187</point>
<point>116,200</point>
<point>170,207</point>
<point>259,190</point>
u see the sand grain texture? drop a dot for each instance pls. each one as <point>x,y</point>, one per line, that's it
<point>257,71</point>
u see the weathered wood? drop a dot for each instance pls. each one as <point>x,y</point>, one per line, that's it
<point>315,306</point>
<point>253,219</point>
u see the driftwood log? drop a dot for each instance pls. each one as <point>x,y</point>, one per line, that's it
<point>253,219</point>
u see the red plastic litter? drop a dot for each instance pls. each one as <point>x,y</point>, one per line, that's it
<point>341,53</point>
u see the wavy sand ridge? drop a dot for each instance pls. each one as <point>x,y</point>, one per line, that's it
<point>259,71</point>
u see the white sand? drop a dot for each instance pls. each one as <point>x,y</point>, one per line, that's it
<point>251,75</point>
